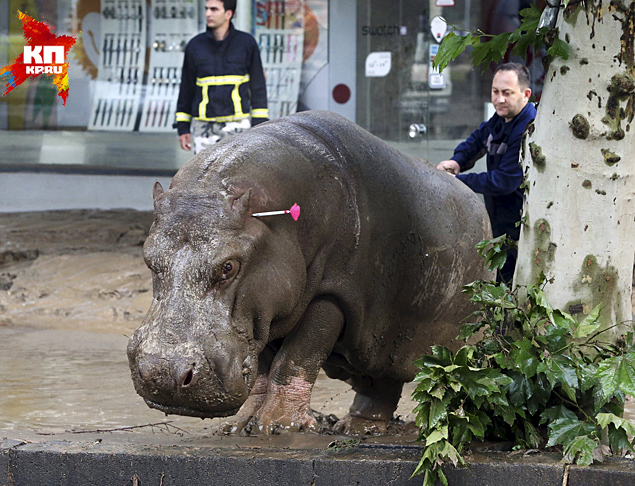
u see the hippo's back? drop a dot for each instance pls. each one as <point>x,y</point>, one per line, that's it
<point>415,229</point>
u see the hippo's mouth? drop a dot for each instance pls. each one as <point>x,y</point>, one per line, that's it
<point>191,412</point>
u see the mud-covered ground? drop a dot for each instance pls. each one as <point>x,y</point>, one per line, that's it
<point>73,287</point>
<point>78,269</point>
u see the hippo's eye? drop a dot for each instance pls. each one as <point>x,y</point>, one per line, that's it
<point>230,269</point>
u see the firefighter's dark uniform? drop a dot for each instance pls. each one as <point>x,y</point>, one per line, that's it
<point>222,81</point>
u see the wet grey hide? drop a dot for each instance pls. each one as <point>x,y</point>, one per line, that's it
<point>247,310</point>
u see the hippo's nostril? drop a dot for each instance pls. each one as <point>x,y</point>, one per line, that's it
<point>188,378</point>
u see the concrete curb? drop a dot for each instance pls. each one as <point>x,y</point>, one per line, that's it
<point>99,463</point>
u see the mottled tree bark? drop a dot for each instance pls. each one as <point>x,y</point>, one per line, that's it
<point>578,222</point>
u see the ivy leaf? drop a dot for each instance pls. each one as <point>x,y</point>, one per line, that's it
<point>430,478</point>
<point>437,435</point>
<point>509,414</point>
<point>464,356</point>
<point>450,48</point>
<point>617,374</point>
<point>564,320</point>
<point>471,383</point>
<point>498,260</point>
<point>607,375</point>
<point>449,452</point>
<point>559,49</point>
<point>541,302</point>
<point>525,358</point>
<point>422,412</point>
<point>443,355</point>
<point>559,371</point>
<point>555,413</point>
<point>587,374</point>
<point>618,440</point>
<point>438,412</point>
<point>438,391</point>
<point>469,329</point>
<point>461,434</point>
<point>519,391</point>
<point>565,430</point>
<point>498,399</point>
<point>495,250</point>
<point>541,391</point>
<point>580,450</point>
<point>604,419</point>
<point>589,325</point>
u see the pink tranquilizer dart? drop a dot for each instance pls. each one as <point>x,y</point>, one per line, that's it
<point>294,212</point>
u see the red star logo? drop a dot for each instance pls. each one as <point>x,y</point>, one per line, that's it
<point>38,36</point>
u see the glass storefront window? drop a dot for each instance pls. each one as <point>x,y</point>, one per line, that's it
<point>125,72</point>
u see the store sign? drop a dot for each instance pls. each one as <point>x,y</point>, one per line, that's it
<point>380,29</point>
<point>45,53</point>
<point>438,28</point>
<point>378,64</point>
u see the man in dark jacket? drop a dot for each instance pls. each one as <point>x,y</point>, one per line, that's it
<point>499,138</point>
<point>222,82</point>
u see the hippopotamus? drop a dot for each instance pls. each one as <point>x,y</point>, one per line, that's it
<point>247,310</point>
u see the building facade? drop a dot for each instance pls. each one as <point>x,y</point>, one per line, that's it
<point>369,60</point>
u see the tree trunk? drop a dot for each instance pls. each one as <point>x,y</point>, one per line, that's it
<point>578,222</point>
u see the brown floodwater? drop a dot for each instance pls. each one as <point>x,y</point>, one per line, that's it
<point>57,380</point>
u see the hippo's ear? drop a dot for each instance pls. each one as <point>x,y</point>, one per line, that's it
<point>157,190</point>
<point>241,204</point>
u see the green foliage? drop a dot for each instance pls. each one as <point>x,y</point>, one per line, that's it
<point>535,376</point>
<point>495,251</point>
<point>487,48</point>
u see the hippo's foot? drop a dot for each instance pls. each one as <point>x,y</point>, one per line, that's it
<point>281,408</point>
<point>373,406</point>
<point>354,425</point>
<point>254,401</point>
<point>239,422</point>
<point>285,408</point>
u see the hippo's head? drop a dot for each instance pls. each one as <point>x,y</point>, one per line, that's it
<point>222,280</point>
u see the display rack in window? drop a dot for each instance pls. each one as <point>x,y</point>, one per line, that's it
<point>279,30</point>
<point>122,58</point>
<point>173,23</point>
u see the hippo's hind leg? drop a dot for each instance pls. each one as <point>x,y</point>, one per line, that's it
<point>374,404</point>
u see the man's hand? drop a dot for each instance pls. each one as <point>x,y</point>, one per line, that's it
<point>450,166</point>
<point>186,141</point>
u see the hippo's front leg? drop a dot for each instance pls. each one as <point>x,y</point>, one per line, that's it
<point>255,399</point>
<point>296,366</point>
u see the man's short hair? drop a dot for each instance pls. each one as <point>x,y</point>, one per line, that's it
<point>521,71</point>
<point>230,5</point>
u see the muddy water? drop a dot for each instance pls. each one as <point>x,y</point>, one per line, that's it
<point>56,380</point>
